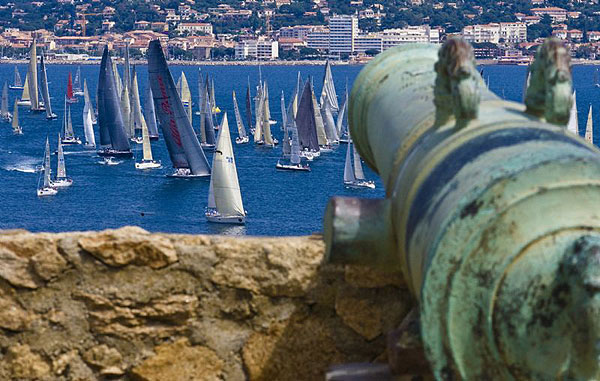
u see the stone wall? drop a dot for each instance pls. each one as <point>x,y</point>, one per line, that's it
<point>127,304</point>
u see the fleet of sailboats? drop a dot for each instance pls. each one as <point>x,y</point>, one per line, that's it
<point>309,127</point>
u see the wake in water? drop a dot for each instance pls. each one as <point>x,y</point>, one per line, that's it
<point>26,165</point>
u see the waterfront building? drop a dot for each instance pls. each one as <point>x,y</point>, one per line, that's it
<point>365,42</point>
<point>343,29</point>
<point>261,49</point>
<point>410,34</point>
<point>511,32</point>
<point>194,28</point>
<point>318,39</point>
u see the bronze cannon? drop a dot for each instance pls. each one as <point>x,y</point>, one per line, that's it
<point>492,212</point>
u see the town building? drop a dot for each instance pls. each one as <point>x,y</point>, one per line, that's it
<point>261,49</point>
<point>318,39</point>
<point>366,42</point>
<point>195,28</point>
<point>343,29</point>
<point>512,32</point>
<point>555,13</point>
<point>410,34</point>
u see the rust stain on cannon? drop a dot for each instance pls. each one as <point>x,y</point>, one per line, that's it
<point>490,212</point>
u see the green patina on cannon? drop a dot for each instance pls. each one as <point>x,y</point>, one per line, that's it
<point>492,212</point>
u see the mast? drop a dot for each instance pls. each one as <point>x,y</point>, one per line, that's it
<point>295,143</point>
<point>190,112</point>
<point>297,94</point>
<point>573,124</point>
<point>213,102</point>
<point>348,170</point>
<point>45,93</point>
<point>33,80</point>
<point>589,128</point>
<point>209,127</point>
<point>110,118</point>
<point>238,118</point>
<point>77,81</point>
<point>305,120</point>
<point>226,187</point>
<point>184,149</point>
<point>283,111</point>
<point>150,113</point>
<point>329,88</point>
<point>127,69</point>
<point>61,171</point>
<point>138,118</point>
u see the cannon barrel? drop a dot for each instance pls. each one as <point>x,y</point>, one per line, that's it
<point>491,212</point>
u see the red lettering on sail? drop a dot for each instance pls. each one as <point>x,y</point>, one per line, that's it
<point>167,109</point>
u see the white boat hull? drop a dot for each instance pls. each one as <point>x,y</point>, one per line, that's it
<point>292,167</point>
<point>24,103</point>
<point>359,184</point>
<point>137,140</point>
<point>243,140</point>
<point>216,218</point>
<point>48,191</point>
<point>62,183</point>
<point>70,141</point>
<point>148,165</point>
<point>184,173</point>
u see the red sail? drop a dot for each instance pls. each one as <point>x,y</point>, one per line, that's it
<point>70,88</point>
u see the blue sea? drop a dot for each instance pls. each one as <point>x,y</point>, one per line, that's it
<point>279,203</point>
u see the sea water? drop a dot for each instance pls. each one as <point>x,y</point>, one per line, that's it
<point>278,202</point>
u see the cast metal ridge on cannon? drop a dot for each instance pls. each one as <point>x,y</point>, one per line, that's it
<point>490,208</point>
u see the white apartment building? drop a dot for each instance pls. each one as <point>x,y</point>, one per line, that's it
<point>364,42</point>
<point>258,49</point>
<point>195,27</point>
<point>343,29</point>
<point>513,32</point>
<point>318,38</point>
<point>300,32</point>
<point>410,34</point>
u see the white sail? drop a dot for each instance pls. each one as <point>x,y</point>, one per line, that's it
<point>25,95</point>
<point>137,117</point>
<point>61,170</point>
<point>259,113</point>
<point>321,136</point>
<point>32,74</point>
<point>238,118</point>
<point>226,188</point>
<point>118,83</point>
<point>330,128</point>
<point>126,111</point>
<point>190,113</point>
<point>266,127</point>
<point>358,170</point>
<point>211,195</point>
<point>283,112</point>
<point>589,127</point>
<point>15,121</point>
<point>184,89</point>
<point>47,164</point>
<point>88,100</point>
<point>348,170</point>
<point>147,148</point>
<point>88,127</point>
<point>4,113</point>
<point>341,115</point>
<point>329,88</point>
<point>573,124</point>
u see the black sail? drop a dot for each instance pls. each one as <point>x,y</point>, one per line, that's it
<point>184,149</point>
<point>305,120</point>
<point>110,119</point>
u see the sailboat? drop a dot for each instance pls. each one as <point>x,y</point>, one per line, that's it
<point>46,188</point>
<point>17,85</point>
<point>353,175</point>
<point>113,138</point>
<point>306,124</point>
<point>225,198</point>
<point>327,116</point>
<point>324,144</point>
<point>293,145</point>
<point>61,180</point>
<point>148,161</point>
<point>150,115</point>
<point>67,127</point>
<point>126,113</point>
<point>183,89</point>
<point>17,130</point>
<point>4,113</point>
<point>573,124</point>
<point>242,136</point>
<point>184,148</point>
<point>77,83</point>
<point>25,99</point>
<point>88,127</point>
<point>70,96</point>
<point>596,83</point>
<point>45,92</point>
<point>249,108</point>
<point>589,127</point>
<point>213,102</point>
<point>328,90</point>
<point>200,93</point>
<point>207,129</point>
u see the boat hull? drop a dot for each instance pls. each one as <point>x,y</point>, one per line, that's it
<point>153,137</point>
<point>292,167</point>
<point>218,219</point>
<point>70,141</point>
<point>62,183</point>
<point>115,153</point>
<point>16,87</point>
<point>359,184</point>
<point>243,140</point>
<point>48,191</point>
<point>24,103</point>
<point>153,164</point>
